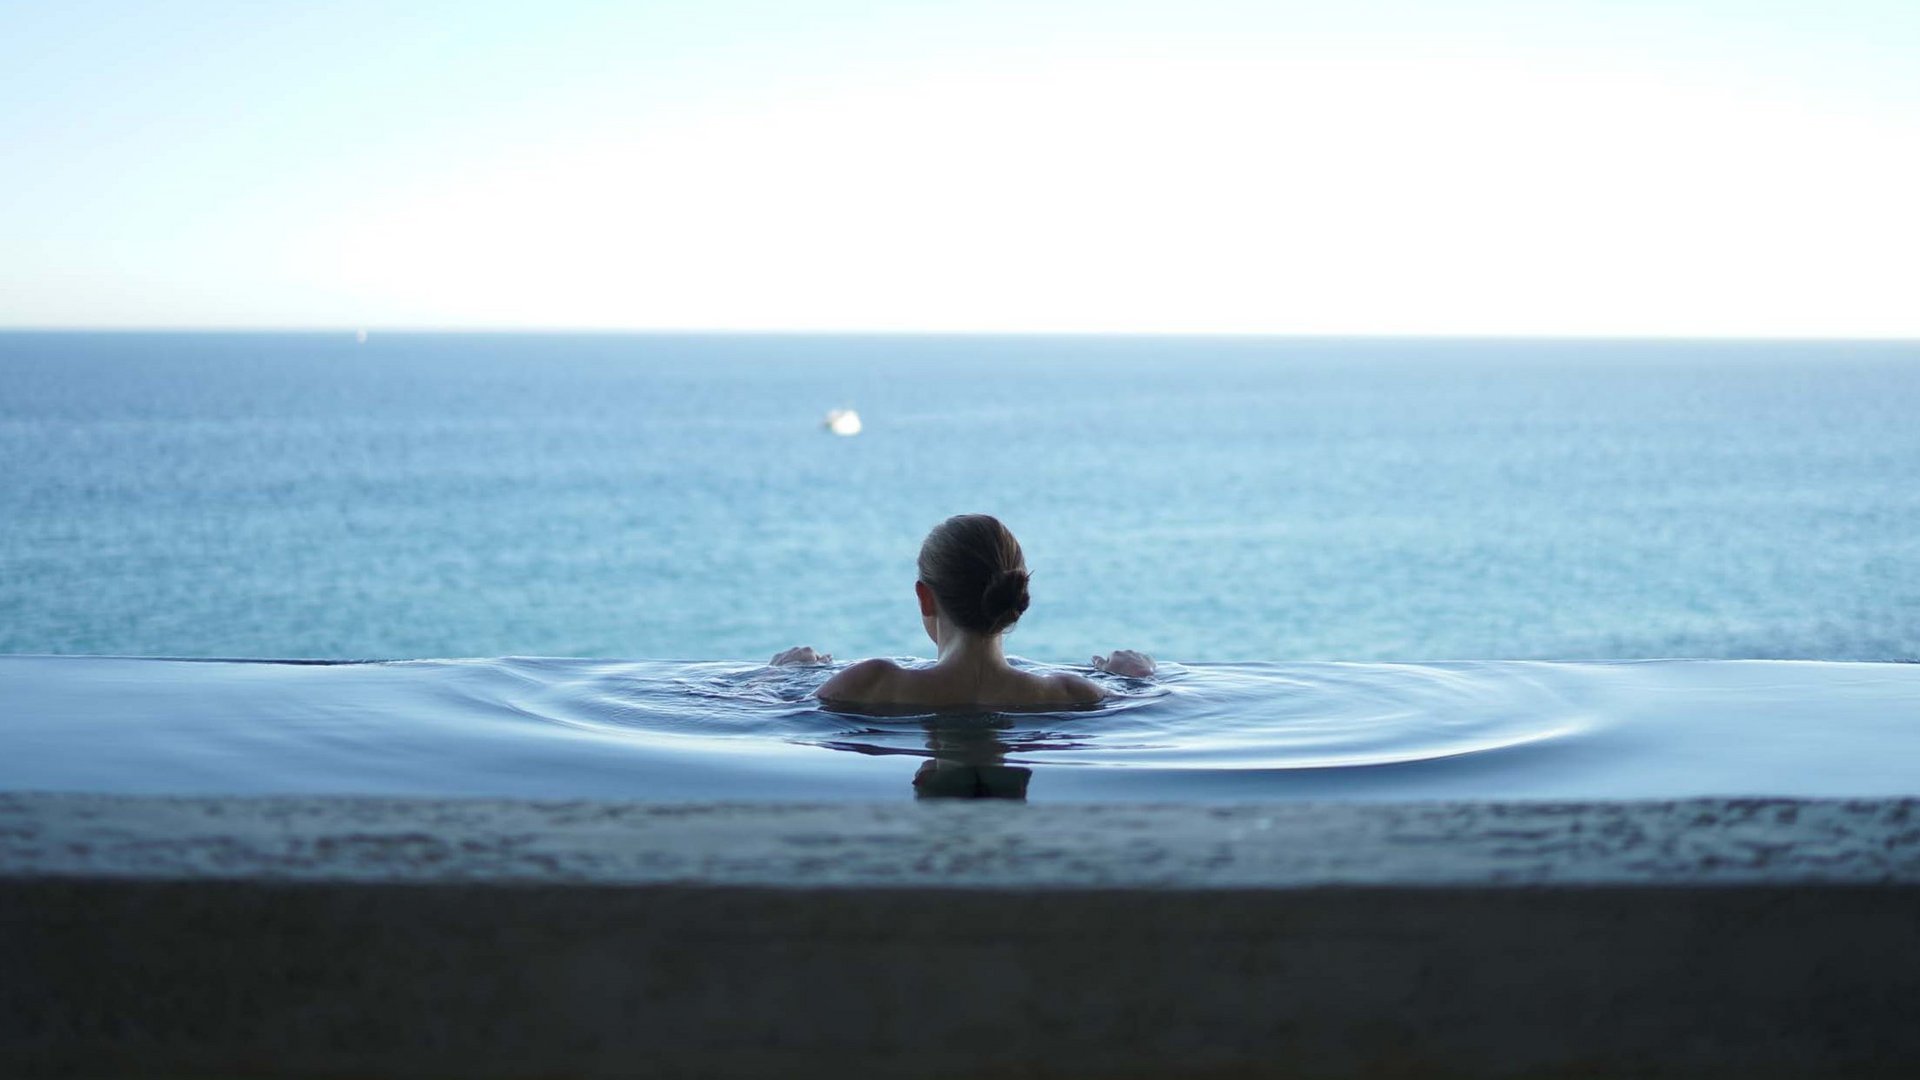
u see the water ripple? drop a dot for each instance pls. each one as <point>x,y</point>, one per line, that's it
<point>1266,716</point>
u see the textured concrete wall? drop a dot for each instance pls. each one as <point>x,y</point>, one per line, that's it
<point>374,937</point>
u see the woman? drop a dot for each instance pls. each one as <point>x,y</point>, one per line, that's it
<point>972,589</point>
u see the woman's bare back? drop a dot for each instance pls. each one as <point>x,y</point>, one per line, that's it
<point>881,682</point>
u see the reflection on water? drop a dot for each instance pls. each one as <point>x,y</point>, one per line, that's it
<point>969,761</point>
<point>974,771</point>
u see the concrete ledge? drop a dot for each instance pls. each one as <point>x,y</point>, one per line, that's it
<point>986,844</point>
<point>306,937</point>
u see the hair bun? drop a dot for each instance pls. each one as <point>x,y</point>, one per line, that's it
<point>976,571</point>
<point>1005,598</point>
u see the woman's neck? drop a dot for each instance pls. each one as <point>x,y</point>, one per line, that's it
<point>961,649</point>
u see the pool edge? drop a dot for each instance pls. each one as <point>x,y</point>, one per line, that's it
<point>412,937</point>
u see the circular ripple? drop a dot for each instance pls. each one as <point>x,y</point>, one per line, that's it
<point>1214,717</point>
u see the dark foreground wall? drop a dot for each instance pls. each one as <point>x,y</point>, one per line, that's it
<point>299,937</point>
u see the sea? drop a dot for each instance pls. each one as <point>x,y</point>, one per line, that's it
<point>1204,499</point>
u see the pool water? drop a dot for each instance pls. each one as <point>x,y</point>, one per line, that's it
<point>672,731</point>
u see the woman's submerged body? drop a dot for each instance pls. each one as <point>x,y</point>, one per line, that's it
<point>972,588</point>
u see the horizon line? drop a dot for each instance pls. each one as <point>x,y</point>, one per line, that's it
<point>350,330</point>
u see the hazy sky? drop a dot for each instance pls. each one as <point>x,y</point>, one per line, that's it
<point>1616,167</point>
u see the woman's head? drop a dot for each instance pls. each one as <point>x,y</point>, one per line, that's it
<point>973,566</point>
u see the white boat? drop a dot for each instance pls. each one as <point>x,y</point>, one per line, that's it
<point>843,421</point>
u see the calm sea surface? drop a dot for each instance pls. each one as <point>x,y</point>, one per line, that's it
<point>1203,499</point>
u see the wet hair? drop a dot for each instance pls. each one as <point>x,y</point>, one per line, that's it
<point>976,569</point>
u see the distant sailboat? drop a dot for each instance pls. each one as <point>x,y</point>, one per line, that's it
<point>360,336</point>
<point>843,421</point>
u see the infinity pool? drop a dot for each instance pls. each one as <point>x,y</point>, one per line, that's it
<point>680,731</point>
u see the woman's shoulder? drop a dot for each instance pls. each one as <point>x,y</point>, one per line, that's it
<point>1077,689</point>
<point>857,680</point>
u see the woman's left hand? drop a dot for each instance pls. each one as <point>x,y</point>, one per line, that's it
<point>800,654</point>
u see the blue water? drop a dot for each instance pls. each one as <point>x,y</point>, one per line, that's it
<point>1203,499</point>
<point>710,730</point>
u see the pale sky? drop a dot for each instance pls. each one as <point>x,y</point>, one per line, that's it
<point>1632,168</point>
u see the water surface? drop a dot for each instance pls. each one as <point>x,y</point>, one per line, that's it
<point>562,728</point>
